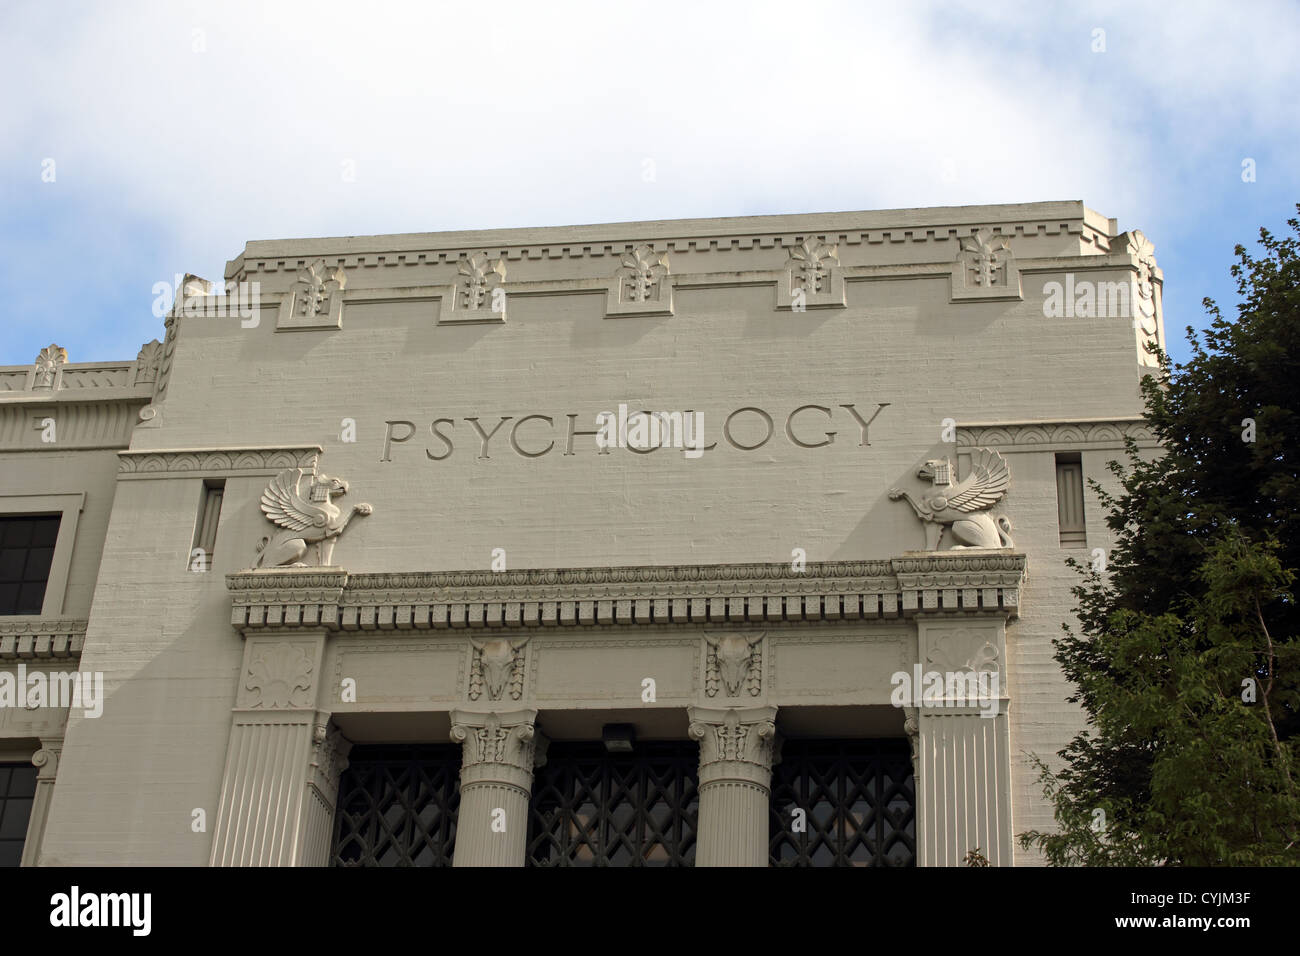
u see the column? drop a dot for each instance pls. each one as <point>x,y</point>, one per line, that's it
<point>283,761</point>
<point>496,781</point>
<point>736,748</point>
<point>46,760</point>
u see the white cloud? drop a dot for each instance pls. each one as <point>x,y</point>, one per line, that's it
<point>464,116</point>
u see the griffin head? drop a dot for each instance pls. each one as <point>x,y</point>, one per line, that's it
<point>936,470</point>
<point>323,487</point>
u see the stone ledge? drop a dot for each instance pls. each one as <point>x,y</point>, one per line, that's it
<point>949,582</point>
<point>41,639</point>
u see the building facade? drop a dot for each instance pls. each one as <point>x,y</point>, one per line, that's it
<point>713,542</point>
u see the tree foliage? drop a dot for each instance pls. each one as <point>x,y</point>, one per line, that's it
<point>1187,655</point>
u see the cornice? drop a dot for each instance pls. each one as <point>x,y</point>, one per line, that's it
<point>230,462</point>
<point>41,639</point>
<point>684,235</point>
<point>967,582</point>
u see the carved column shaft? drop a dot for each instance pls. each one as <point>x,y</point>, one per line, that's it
<point>736,749</point>
<point>496,781</point>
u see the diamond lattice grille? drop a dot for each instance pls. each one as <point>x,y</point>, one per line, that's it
<point>858,799</point>
<point>593,808</point>
<point>397,806</point>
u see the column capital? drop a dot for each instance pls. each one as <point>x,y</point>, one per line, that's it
<point>329,758</point>
<point>735,743</point>
<point>498,746</point>
<point>46,760</point>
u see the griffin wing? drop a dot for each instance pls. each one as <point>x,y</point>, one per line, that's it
<point>984,486</point>
<point>283,505</point>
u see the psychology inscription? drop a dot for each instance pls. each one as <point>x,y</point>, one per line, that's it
<point>533,435</point>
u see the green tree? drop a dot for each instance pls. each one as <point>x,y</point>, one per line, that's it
<point>1187,656</point>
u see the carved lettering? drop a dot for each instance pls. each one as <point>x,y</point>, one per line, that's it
<point>486,437</point>
<point>865,424</point>
<point>645,431</point>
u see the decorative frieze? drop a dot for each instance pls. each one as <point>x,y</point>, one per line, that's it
<point>964,582</point>
<point>1038,436</point>
<point>41,640</point>
<point>226,462</point>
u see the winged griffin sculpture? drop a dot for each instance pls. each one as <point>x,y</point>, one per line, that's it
<point>313,519</point>
<point>962,509</point>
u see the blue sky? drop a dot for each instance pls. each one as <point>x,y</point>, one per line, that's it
<point>179,131</point>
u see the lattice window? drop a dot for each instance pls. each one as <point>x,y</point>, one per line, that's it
<point>858,800</point>
<point>593,808</point>
<point>397,806</point>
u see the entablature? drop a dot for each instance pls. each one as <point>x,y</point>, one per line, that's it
<point>980,582</point>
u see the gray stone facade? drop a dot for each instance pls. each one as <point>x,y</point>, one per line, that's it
<point>367,496</point>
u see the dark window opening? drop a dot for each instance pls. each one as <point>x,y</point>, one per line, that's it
<point>858,804</point>
<point>17,792</point>
<point>26,554</point>
<point>397,806</point>
<point>595,808</point>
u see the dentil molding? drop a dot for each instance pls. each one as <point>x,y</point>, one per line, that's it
<point>963,582</point>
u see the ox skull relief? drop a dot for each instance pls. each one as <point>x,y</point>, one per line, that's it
<point>732,660</point>
<point>496,662</point>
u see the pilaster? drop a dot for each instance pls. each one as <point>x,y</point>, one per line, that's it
<point>961,744</point>
<point>276,797</point>
<point>46,760</point>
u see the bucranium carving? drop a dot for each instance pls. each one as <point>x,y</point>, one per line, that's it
<point>734,654</point>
